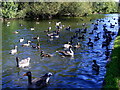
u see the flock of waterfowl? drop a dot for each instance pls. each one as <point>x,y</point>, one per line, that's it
<point>68,48</point>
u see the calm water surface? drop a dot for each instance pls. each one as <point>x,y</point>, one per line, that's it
<point>67,72</point>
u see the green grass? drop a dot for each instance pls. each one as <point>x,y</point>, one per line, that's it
<point>112,79</point>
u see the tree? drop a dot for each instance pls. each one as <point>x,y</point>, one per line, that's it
<point>9,9</point>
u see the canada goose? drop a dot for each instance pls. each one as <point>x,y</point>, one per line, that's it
<point>45,55</point>
<point>97,37</point>
<point>111,25</point>
<point>95,27</point>
<point>48,30</point>
<point>20,25</point>
<point>37,47</point>
<point>67,45</point>
<point>68,28</point>
<point>21,40</point>
<point>104,44</point>
<point>55,34</point>
<point>13,51</point>
<point>82,37</point>
<point>84,30</point>
<point>104,25</point>
<point>50,34</point>
<point>95,67</point>
<point>36,37</point>
<point>67,52</point>
<point>38,82</point>
<point>27,44</point>
<point>108,20</point>
<point>77,45</point>
<point>115,22</point>
<point>90,43</point>
<point>83,24</point>
<point>58,25</point>
<point>113,33</point>
<point>91,32</point>
<point>79,31</point>
<point>23,63</point>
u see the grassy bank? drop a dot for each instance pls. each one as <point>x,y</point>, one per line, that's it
<point>112,79</point>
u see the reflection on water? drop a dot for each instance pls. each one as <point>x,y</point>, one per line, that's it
<point>75,72</point>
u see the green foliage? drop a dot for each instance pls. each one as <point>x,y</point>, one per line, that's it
<point>105,7</point>
<point>113,68</point>
<point>75,8</point>
<point>9,9</point>
<point>50,9</point>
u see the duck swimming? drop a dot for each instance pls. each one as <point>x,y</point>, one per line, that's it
<point>13,51</point>
<point>27,44</point>
<point>67,45</point>
<point>95,67</point>
<point>36,37</point>
<point>45,55</point>
<point>90,43</point>
<point>23,63</point>
<point>21,40</point>
<point>32,29</point>
<point>67,52</point>
<point>97,37</point>
<point>38,82</point>
<point>77,45</point>
<point>16,32</point>
<point>37,46</point>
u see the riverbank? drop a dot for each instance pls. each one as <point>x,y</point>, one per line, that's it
<point>112,79</point>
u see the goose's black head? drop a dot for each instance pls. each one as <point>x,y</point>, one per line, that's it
<point>27,74</point>
<point>42,52</point>
<point>48,74</point>
<point>94,61</point>
<point>70,46</point>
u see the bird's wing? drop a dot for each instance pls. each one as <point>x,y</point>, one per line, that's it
<point>23,61</point>
<point>39,81</point>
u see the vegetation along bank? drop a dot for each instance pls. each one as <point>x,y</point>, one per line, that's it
<point>112,79</point>
<point>48,10</point>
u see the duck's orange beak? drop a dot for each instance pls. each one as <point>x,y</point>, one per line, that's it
<point>25,74</point>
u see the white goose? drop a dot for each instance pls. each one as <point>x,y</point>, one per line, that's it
<point>14,51</point>
<point>27,44</point>
<point>21,40</point>
<point>23,63</point>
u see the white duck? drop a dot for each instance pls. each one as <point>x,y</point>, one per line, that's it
<point>23,63</point>
<point>14,51</point>
<point>27,44</point>
<point>8,24</point>
<point>21,40</point>
<point>32,29</point>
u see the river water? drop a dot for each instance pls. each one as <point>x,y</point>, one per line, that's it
<point>68,72</point>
